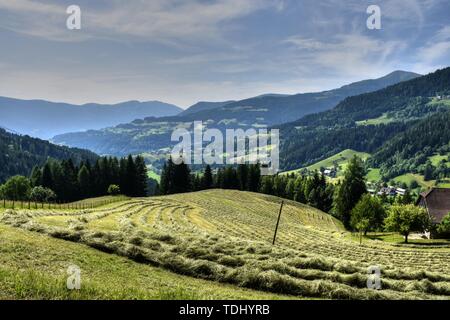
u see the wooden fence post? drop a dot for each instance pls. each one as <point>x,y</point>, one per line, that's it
<point>278,222</point>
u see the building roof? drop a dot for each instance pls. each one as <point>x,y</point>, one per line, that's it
<point>437,202</point>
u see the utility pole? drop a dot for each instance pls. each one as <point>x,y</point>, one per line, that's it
<point>278,222</point>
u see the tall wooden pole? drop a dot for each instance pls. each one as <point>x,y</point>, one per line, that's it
<point>278,222</point>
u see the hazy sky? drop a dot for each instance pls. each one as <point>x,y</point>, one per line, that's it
<point>184,51</point>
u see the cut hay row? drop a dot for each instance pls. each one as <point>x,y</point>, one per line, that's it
<point>226,236</point>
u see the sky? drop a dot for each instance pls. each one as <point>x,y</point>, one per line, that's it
<point>185,51</point>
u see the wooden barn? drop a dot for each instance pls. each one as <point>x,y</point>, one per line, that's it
<point>437,203</point>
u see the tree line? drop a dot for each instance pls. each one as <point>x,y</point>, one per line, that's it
<point>178,178</point>
<point>63,181</point>
<point>348,200</point>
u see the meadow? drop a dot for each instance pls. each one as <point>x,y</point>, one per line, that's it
<point>223,239</point>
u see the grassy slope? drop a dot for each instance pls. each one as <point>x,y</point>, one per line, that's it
<point>384,119</point>
<point>410,177</point>
<point>217,235</point>
<point>373,174</point>
<point>33,266</point>
<point>153,175</point>
<point>436,159</point>
<point>341,159</point>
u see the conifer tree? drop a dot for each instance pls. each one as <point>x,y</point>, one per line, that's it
<point>207,178</point>
<point>351,190</point>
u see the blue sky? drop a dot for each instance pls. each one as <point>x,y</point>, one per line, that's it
<point>211,50</point>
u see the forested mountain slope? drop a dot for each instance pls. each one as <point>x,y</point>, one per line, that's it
<point>19,154</point>
<point>366,122</point>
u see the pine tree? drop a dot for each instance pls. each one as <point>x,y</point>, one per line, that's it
<point>123,181</point>
<point>36,176</point>
<point>300,190</point>
<point>254,178</point>
<point>84,182</point>
<point>197,182</point>
<point>351,190</point>
<point>208,178</point>
<point>219,179</point>
<point>130,176</point>
<point>290,189</point>
<point>141,178</point>
<point>47,180</point>
<point>242,173</point>
<point>230,178</point>
<point>181,178</point>
<point>166,185</point>
<point>267,185</point>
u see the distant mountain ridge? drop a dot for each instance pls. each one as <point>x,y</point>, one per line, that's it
<point>203,106</point>
<point>152,135</point>
<point>273,109</point>
<point>45,119</point>
<point>367,123</point>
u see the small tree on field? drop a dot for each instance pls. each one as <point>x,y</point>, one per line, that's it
<point>113,190</point>
<point>405,219</point>
<point>367,215</point>
<point>444,227</point>
<point>17,188</point>
<point>41,194</point>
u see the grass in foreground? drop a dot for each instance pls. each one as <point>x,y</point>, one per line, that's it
<point>225,236</point>
<point>33,266</point>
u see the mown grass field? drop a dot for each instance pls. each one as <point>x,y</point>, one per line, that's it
<point>211,244</point>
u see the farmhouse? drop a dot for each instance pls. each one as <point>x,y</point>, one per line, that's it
<point>437,203</point>
<point>330,173</point>
<point>388,191</point>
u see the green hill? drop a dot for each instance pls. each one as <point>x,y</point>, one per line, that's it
<point>338,160</point>
<point>365,122</point>
<point>19,154</point>
<point>221,236</point>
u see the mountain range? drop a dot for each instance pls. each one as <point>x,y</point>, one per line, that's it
<point>45,119</point>
<point>402,125</point>
<point>152,134</point>
<point>273,109</point>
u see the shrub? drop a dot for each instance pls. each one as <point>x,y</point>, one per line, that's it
<point>406,219</point>
<point>443,228</point>
<point>114,190</point>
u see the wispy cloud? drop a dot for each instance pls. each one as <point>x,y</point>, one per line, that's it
<point>189,50</point>
<point>352,54</point>
<point>150,20</point>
